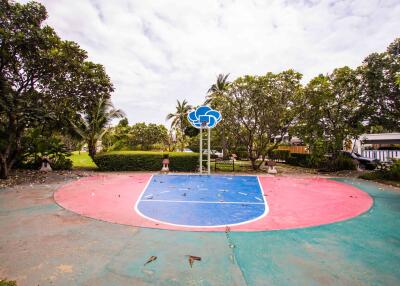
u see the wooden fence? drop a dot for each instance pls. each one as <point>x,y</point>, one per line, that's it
<point>295,149</point>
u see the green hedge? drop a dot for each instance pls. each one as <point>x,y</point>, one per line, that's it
<point>331,165</point>
<point>146,161</point>
<point>281,155</point>
<point>298,159</point>
<point>340,163</point>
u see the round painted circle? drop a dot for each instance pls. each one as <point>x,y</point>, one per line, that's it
<point>213,203</point>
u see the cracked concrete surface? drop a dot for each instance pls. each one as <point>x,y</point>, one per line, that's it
<point>43,244</point>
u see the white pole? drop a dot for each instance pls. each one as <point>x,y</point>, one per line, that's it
<point>209,151</point>
<point>201,150</point>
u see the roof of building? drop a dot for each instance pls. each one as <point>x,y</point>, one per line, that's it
<point>380,138</point>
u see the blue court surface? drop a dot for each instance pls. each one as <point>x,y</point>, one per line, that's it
<point>202,201</point>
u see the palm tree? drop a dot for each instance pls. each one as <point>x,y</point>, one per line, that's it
<point>217,89</point>
<point>94,123</point>
<point>214,96</point>
<point>179,118</point>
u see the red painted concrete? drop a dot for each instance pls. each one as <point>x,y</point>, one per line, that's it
<point>293,202</point>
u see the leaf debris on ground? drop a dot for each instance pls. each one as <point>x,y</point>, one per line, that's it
<point>192,259</point>
<point>151,259</point>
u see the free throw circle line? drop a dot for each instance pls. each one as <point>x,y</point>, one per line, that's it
<point>201,202</point>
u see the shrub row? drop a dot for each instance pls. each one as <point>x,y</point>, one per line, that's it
<point>340,163</point>
<point>302,160</point>
<point>281,155</point>
<point>332,165</point>
<point>146,161</point>
<point>59,162</point>
<point>393,173</point>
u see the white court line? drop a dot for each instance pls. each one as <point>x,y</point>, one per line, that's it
<point>203,202</point>
<point>266,210</point>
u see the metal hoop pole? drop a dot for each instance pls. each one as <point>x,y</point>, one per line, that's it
<point>201,150</point>
<point>209,151</point>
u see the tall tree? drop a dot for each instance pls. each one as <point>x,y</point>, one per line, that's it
<point>179,118</point>
<point>380,94</point>
<point>94,124</point>
<point>146,136</point>
<point>216,97</point>
<point>217,90</point>
<point>36,72</point>
<point>333,112</point>
<point>180,121</point>
<point>261,109</point>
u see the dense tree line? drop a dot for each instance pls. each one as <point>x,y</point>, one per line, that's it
<point>259,110</point>
<point>50,95</point>
<point>139,136</point>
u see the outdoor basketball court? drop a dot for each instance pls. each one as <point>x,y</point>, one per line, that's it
<point>213,202</point>
<point>248,230</point>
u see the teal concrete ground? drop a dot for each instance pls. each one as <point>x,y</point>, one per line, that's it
<point>43,244</point>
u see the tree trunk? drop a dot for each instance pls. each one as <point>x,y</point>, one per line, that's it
<point>3,169</point>
<point>253,163</point>
<point>224,149</point>
<point>92,149</point>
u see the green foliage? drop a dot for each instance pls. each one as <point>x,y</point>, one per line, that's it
<point>144,136</point>
<point>258,109</point>
<point>307,161</point>
<point>191,131</point>
<point>281,155</point>
<point>5,282</point>
<point>333,112</point>
<point>180,123</point>
<point>381,94</point>
<point>301,160</point>
<point>392,173</point>
<point>338,164</point>
<point>146,161</point>
<point>44,81</point>
<point>194,144</point>
<point>179,118</point>
<point>241,153</point>
<point>93,126</point>
<point>61,163</point>
<point>140,136</point>
<point>37,145</point>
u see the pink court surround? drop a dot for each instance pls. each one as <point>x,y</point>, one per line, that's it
<point>292,202</point>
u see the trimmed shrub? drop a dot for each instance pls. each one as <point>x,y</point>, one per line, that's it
<point>306,160</point>
<point>61,163</point>
<point>146,161</point>
<point>298,159</point>
<point>370,176</point>
<point>340,163</point>
<point>392,173</point>
<point>281,155</point>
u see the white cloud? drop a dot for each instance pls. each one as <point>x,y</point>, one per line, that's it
<point>159,51</point>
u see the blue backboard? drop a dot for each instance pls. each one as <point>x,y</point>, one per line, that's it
<point>204,116</point>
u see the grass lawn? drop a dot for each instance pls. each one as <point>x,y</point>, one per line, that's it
<point>82,161</point>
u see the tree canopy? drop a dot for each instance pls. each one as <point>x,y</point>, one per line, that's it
<point>44,81</point>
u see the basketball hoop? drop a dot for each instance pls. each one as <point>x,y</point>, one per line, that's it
<point>204,117</point>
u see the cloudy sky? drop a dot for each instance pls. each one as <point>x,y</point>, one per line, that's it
<point>159,51</point>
